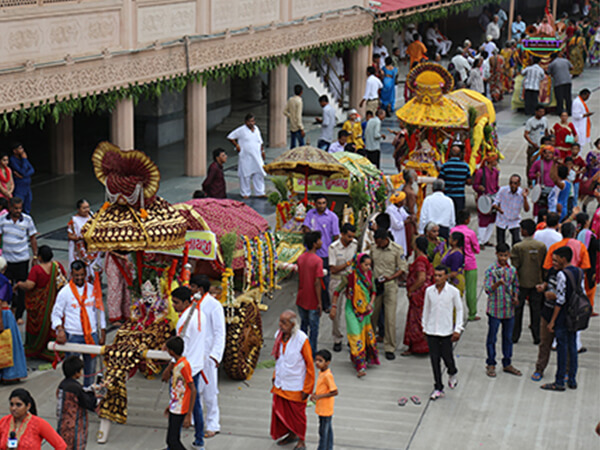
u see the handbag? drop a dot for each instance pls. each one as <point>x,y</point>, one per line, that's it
<point>570,139</point>
<point>6,349</point>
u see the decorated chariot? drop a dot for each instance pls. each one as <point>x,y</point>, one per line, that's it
<point>224,239</point>
<point>352,183</point>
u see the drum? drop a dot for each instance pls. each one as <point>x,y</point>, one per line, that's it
<point>536,193</point>
<point>484,204</point>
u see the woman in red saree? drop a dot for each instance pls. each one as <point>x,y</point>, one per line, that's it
<point>564,131</point>
<point>7,182</point>
<point>43,283</point>
<point>420,277</point>
<point>30,430</point>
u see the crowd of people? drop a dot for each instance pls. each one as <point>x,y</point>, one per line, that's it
<point>430,250</point>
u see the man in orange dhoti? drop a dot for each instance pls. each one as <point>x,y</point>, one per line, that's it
<point>293,381</point>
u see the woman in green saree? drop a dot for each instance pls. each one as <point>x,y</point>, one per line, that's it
<point>360,292</point>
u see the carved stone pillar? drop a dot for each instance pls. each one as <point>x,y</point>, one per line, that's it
<point>278,88</point>
<point>195,130</point>
<point>62,161</point>
<point>359,61</point>
<point>121,125</point>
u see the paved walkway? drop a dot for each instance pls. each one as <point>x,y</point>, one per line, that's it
<point>506,412</point>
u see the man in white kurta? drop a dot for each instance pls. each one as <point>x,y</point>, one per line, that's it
<point>249,145</point>
<point>191,327</point>
<point>580,115</point>
<point>398,216</point>
<point>214,327</point>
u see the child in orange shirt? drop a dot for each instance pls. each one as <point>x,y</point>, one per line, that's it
<point>183,394</point>
<point>323,397</point>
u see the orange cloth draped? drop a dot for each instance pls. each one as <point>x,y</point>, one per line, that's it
<point>588,126</point>
<point>85,320</point>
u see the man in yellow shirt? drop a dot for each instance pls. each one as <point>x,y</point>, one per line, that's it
<point>354,129</point>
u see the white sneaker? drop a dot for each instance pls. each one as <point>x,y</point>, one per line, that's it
<point>436,394</point>
<point>452,381</point>
<point>197,447</point>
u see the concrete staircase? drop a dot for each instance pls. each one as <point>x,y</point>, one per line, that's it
<point>313,82</point>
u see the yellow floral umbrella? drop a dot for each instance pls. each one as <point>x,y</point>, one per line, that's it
<point>431,107</point>
<point>306,160</point>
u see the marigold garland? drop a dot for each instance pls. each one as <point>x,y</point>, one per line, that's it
<point>261,268</point>
<point>248,266</point>
<point>270,261</point>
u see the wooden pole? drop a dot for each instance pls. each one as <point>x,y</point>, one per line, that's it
<point>100,349</point>
<point>554,10</point>
<point>511,17</point>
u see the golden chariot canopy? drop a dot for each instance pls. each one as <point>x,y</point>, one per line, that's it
<point>431,107</point>
<point>133,218</point>
<point>306,160</point>
<point>467,98</point>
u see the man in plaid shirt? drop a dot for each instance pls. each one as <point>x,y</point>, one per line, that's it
<point>502,289</point>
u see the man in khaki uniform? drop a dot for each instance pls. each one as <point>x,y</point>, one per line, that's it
<point>293,111</point>
<point>341,256</point>
<point>389,263</point>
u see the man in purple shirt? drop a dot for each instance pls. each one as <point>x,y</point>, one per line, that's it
<point>214,185</point>
<point>327,222</point>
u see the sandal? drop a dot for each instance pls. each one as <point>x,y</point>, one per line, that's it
<point>288,440</point>
<point>210,434</point>
<point>490,371</point>
<point>402,401</point>
<point>416,400</point>
<point>406,353</point>
<point>552,387</point>
<point>361,373</point>
<point>512,370</point>
<point>536,376</point>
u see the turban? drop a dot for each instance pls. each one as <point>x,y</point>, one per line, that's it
<point>397,197</point>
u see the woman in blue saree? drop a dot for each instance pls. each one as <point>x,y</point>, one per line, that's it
<point>388,92</point>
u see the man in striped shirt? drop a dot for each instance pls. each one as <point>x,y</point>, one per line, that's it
<point>18,232</point>
<point>456,173</point>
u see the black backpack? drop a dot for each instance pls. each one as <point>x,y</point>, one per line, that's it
<point>579,308</point>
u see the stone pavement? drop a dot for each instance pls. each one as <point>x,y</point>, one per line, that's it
<point>506,412</point>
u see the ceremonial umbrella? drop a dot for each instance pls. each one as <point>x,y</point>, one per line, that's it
<point>467,98</point>
<point>306,160</point>
<point>431,107</point>
<point>133,218</point>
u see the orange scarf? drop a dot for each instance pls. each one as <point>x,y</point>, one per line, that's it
<point>588,128</point>
<point>197,306</point>
<point>85,320</point>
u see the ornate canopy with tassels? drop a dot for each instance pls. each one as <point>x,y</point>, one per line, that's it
<point>133,217</point>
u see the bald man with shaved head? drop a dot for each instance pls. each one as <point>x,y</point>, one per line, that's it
<point>293,381</point>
